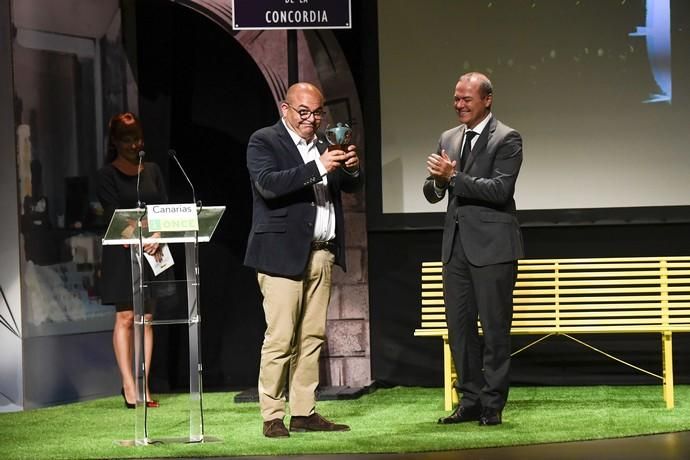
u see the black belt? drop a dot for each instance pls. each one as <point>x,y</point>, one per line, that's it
<point>321,245</point>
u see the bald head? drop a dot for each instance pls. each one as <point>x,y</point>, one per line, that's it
<point>303,109</point>
<point>298,90</point>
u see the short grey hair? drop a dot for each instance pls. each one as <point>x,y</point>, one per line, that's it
<point>485,86</point>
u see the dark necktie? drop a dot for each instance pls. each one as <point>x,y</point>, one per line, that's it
<point>466,149</point>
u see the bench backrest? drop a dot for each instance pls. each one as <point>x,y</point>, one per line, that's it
<point>633,294</point>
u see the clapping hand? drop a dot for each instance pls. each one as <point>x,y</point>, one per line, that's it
<point>441,167</point>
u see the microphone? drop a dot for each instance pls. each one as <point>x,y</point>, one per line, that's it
<point>141,158</point>
<point>173,155</point>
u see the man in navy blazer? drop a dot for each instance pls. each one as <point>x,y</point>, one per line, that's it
<point>297,235</point>
<point>477,165</point>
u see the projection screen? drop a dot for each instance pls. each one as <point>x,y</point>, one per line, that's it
<point>598,90</point>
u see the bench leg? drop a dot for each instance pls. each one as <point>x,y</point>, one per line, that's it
<point>667,351</point>
<point>449,395</point>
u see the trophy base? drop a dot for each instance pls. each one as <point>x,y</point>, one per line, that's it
<point>342,147</point>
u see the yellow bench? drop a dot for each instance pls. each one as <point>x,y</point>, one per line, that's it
<point>581,296</point>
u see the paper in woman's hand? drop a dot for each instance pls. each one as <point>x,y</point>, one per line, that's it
<point>163,263</point>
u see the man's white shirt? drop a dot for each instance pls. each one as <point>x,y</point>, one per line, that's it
<point>324,225</point>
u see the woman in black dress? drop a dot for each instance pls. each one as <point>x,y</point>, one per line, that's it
<point>117,189</point>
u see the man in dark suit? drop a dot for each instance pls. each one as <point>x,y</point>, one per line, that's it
<point>297,235</point>
<point>477,165</point>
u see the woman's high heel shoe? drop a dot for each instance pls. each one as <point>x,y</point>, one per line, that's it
<point>128,405</point>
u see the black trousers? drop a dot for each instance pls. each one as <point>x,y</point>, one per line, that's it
<point>472,292</point>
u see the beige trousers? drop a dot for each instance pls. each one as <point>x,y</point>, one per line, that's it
<point>295,313</point>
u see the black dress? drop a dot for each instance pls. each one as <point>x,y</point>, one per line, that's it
<point>117,190</point>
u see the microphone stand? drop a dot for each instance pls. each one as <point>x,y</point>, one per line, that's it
<point>197,282</point>
<point>140,204</point>
<point>141,320</point>
<point>173,155</point>
<point>141,158</point>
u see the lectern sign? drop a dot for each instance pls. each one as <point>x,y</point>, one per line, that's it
<point>172,217</point>
<point>291,14</point>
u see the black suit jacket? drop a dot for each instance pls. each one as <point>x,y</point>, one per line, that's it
<point>284,203</point>
<point>480,198</point>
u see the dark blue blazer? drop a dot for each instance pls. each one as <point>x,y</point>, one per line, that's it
<point>284,209</point>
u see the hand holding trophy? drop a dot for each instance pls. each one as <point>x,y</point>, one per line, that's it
<point>339,136</point>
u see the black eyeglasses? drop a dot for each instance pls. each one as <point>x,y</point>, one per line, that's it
<point>304,113</point>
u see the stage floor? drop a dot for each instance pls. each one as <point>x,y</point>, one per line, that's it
<point>668,446</point>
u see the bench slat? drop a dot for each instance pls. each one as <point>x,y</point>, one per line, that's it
<point>432,302</point>
<point>585,282</point>
<point>597,274</point>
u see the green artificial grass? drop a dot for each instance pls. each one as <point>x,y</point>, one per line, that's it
<point>387,420</point>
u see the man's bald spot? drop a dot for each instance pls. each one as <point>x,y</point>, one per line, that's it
<point>302,88</point>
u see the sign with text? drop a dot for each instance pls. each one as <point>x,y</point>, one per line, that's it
<point>172,217</point>
<point>291,14</point>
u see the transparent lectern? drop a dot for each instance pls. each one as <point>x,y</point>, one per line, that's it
<point>129,227</point>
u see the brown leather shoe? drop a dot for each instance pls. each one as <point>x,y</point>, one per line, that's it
<point>462,414</point>
<point>275,429</point>
<point>315,422</point>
